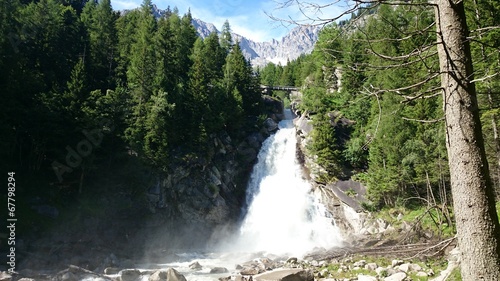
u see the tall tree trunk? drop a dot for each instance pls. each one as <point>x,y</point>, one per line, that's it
<point>478,229</point>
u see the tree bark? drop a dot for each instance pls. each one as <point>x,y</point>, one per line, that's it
<point>478,229</point>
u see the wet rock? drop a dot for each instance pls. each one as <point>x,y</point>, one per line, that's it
<point>4,276</point>
<point>249,271</point>
<point>67,276</point>
<point>399,276</point>
<point>75,273</point>
<point>130,274</point>
<point>219,270</point>
<point>267,264</point>
<point>195,266</point>
<point>285,275</point>
<point>270,125</point>
<point>111,270</point>
<point>167,275</point>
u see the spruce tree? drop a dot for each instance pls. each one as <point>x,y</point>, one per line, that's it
<point>226,40</point>
<point>239,76</point>
<point>100,21</point>
<point>142,72</point>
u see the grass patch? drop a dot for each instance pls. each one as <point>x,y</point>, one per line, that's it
<point>421,218</point>
<point>455,275</point>
<point>498,210</point>
<point>414,277</point>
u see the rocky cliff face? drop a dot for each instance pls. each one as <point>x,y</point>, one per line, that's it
<point>345,210</point>
<point>200,196</point>
<point>140,214</point>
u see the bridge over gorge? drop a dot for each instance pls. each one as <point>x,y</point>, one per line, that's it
<point>269,89</point>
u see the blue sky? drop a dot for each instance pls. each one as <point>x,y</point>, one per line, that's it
<point>246,17</point>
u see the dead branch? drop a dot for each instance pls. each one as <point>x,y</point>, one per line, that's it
<point>424,121</point>
<point>446,243</point>
<point>423,96</point>
<point>484,78</point>
<point>414,53</point>
<point>406,88</point>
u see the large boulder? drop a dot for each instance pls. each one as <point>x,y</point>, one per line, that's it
<point>304,125</point>
<point>4,276</point>
<point>270,125</point>
<point>285,275</point>
<point>217,270</point>
<point>399,276</point>
<point>130,274</point>
<point>167,275</point>
<point>195,266</point>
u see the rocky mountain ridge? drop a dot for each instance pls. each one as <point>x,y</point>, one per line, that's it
<point>300,40</point>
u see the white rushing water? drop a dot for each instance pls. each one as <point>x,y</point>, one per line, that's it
<point>283,215</point>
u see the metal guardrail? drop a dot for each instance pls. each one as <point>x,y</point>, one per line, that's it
<point>279,88</point>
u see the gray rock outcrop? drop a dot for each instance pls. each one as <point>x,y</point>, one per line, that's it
<point>285,275</point>
<point>167,275</point>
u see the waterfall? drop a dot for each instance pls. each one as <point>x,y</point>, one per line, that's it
<point>283,215</point>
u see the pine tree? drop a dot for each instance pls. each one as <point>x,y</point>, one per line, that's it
<point>127,29</point>
<point>165,48</point>
<point>239,76</point>
<point>77,91</point>
<point>226,40</point>
<point>100,21</point>
<point>142,72</point>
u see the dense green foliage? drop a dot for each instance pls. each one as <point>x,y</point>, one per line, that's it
<point>371,88</point>
<point>77,79</point>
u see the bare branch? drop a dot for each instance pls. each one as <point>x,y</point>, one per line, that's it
<point>399,90</point>
<point>389,66</point>
<point>423,95</point>
<point>414,53</point>
<point>485,78</point>
<point>424,121</point>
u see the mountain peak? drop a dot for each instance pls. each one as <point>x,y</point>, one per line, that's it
<point>300,40</point>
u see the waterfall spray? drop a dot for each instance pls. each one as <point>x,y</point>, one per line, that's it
<point>283,216</point>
